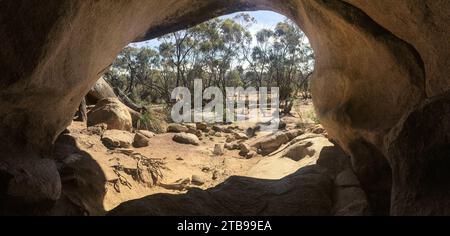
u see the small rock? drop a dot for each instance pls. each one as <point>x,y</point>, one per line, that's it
<point>230,139</point>
<point>177,128</point>
<point>240,136</point>
<point>218,150</point>
<point>219,135</point>
<point>199,133</point>
<point>251,154</point>
<point>217,128</point>
<point>185,138</point>
<point>146,133</point>
<point>117,139</point>
<point>232,146</point>
<point>245,148</point>
<point>98,129</point>
<point>202,126</point>
<point>251,132</point>
<point>228,130</point>
<point>140,140</point>
<point>191,126</point>
<point>317,129</point>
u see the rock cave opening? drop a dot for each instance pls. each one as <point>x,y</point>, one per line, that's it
<point>379,89</point>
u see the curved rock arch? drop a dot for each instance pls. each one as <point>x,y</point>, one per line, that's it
<point>376,61</point>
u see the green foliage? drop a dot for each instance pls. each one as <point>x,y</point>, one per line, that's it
<point>152,123</point>
<point>221,52</point>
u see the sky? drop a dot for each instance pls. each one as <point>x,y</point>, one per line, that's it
<point>265,19</point>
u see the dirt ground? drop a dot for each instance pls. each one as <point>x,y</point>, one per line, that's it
<point>181,161</point>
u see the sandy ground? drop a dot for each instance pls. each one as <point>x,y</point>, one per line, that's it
<point>181,161</point>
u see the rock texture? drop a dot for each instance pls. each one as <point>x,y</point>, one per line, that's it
<point>117,139</point>
<point>419,149</point>
<point>111,112</point>
<point>100,91</point>
<point>376,60</point>
<point>185,138</point>
<point>306,192</point>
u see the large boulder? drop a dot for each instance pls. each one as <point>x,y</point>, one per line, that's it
<point>112,112</point>
<point>101,90</point>
<point>419,149</point>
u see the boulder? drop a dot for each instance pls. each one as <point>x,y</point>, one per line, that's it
<point>100,91</point>
<point>117,139</point>
<point>418,149</point>
<point>230,139</point>
<point>217,128</point>
<point>240,136</point>
<point>202,126</point>
<point>185,138</point>
<point>350,199</point>
<point>111,112</point>
<point>244,149</point>
<point>146,133</point>
<point>140,140</point>
<point>177,128</point>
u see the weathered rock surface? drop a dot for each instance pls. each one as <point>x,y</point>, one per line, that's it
<point>419,149</point>
<point>185,138</point>
<point>101,90</point>
<point>303,151</point>
<point>309,190</point>
<point>399,57</point>
<point>177,128</point>
<point>140,140</point>
<point>218,150</point>
<point>146,133</point>
<point>111,112</point>
<point>117,139</point>
<point>202,126</point>
<point>271,143</point>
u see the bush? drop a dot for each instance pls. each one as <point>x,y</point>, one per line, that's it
<point>152,123</point>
